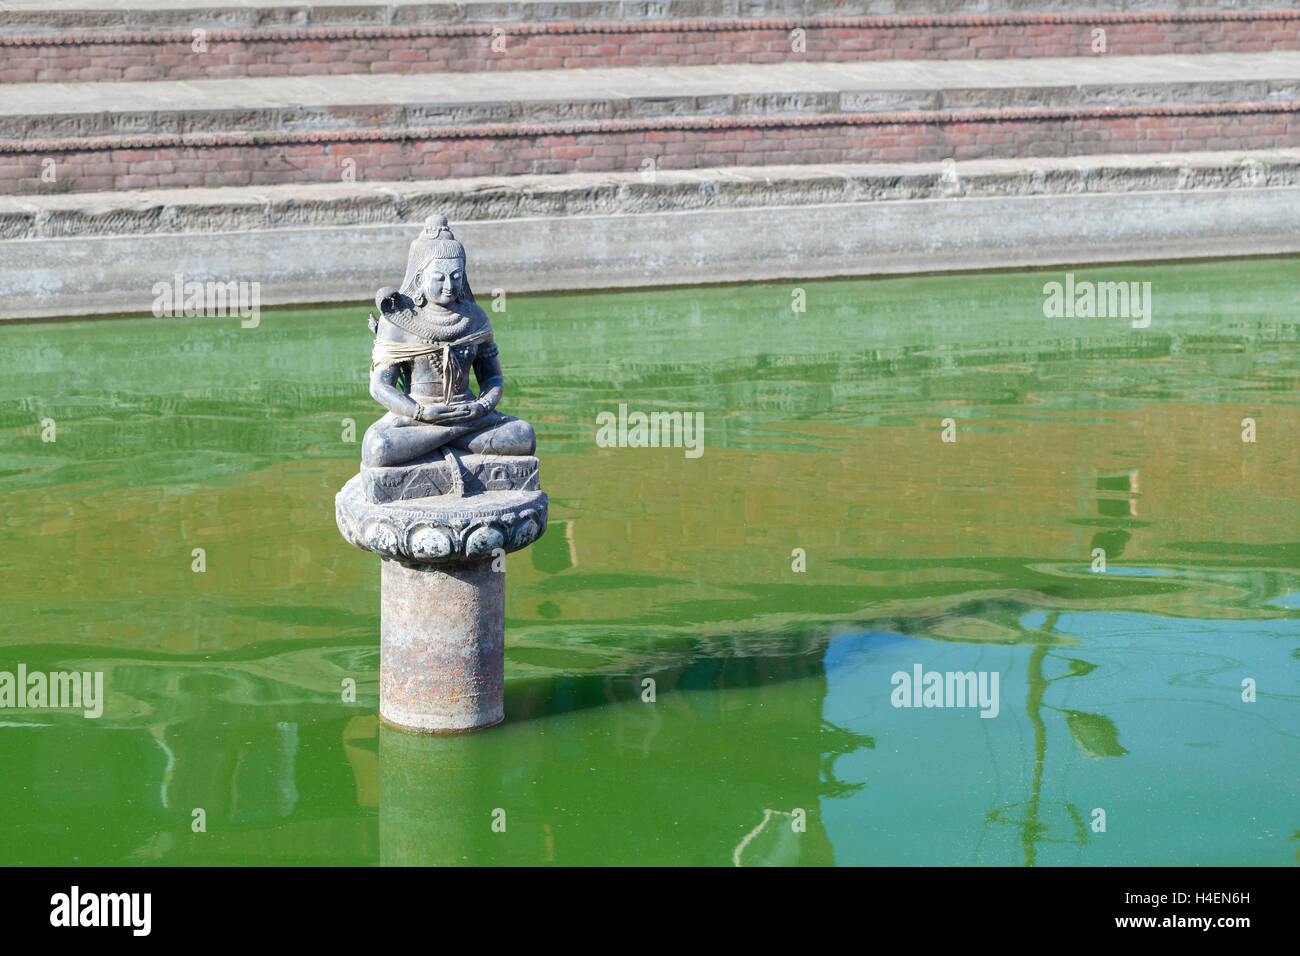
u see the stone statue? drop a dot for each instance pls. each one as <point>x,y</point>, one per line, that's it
<point>428,337</point>
<point>448,486</point>
<point>438,437</point>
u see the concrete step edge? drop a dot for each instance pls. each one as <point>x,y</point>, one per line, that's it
<point>651,124</point>
<point>342,205</point>
<point>301,105</point>
<point>297,121</point>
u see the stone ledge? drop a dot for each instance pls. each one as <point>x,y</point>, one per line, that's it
<point>492,199</point>
<point>898,220</point>
<point>51,131</point>
<point>288,108</point>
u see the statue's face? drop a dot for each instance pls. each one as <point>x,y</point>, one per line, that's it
<point>442,281</point>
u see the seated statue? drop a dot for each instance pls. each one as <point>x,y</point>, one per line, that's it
<point>428,337</point>
<point>448,487</point>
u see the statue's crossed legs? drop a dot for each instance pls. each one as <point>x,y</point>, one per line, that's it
<point>396,439</point>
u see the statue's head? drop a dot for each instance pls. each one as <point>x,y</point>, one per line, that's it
<point>435,268</point>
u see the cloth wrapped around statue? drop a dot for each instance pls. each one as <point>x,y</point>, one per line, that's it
<point>388,354</point>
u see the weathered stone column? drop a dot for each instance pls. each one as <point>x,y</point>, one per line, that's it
<point>443,672</point>
<point>442,597</point>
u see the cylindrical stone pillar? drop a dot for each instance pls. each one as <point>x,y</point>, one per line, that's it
<point>442,606</point>
<point>442,646</point>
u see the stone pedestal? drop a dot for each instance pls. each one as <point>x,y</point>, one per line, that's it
<point>442,662</point>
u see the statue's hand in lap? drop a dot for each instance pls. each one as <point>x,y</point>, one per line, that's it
<point>448,414</point>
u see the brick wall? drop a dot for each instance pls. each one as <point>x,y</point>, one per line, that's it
<point>74,57</point>
<point>672,143</point>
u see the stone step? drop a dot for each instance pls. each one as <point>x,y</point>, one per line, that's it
<point>188,39</point>
<point>95,253</point>
<point>83,137</point>
<point>236,209</point>
<point>38,111</point>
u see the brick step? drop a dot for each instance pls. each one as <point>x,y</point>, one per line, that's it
<point>107,41</point>
<point>251,132</point>
<point>299,105</point>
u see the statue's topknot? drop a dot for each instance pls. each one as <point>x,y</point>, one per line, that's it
<point>435,241</point>
<point>435,227</point>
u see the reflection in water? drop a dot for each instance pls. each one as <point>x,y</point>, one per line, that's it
<point>264,787</point>
<point>1094,733</point>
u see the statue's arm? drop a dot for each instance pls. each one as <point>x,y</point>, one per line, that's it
<point>491,381</point>
<point>384,390</point>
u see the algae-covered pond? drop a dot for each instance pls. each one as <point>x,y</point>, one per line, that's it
<point>826,539</point>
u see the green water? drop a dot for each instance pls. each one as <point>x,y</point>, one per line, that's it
<point>771,738</point>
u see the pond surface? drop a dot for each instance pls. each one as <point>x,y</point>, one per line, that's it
<point>827,539</point>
